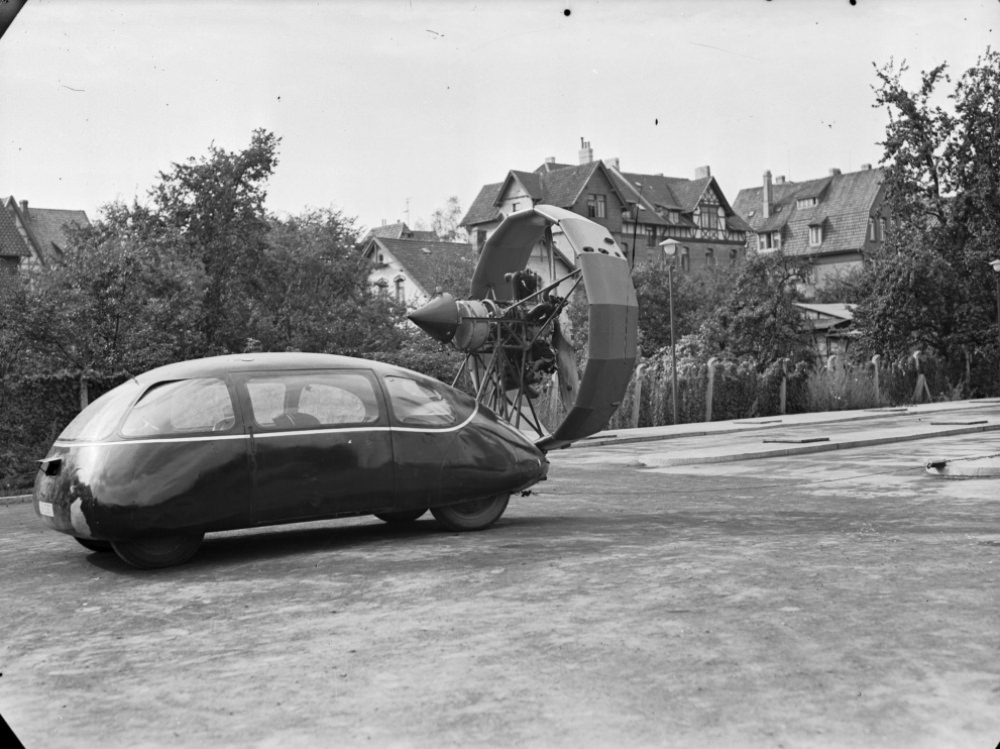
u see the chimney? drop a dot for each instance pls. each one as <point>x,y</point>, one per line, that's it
<point>779,180</point>
<point>834,172</point>
<point>866,167</point>
<point>767,198</point>
<point>702,172</point>
<point>586,152</point>
<point>613,163</point>
<point>24,208</point>
<point>550,159</point>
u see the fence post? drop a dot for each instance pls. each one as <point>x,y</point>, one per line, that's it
<point>921,388</point>
<point>878,395</point>
<point>637,394</point>
<point>711,386</point>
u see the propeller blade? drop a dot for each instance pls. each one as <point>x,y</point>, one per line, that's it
<point>439,318</point>
<point>569,377</point>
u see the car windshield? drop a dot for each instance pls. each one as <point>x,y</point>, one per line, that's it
<point>98,420</point>
<point>426,402</point>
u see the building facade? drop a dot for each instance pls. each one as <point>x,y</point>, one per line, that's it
<point>834,221</point>
<point>639,210</point>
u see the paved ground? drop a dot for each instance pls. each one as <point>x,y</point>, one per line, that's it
<point>640,598</point>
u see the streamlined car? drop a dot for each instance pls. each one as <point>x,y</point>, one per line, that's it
<point>260,439</point>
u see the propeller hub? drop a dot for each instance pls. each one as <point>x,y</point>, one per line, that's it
<point>439,318</point>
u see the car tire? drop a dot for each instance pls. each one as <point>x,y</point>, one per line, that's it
<point>94,545</point>
<point>472,516</point>
<point>402,517</point>
<point>153,552</point>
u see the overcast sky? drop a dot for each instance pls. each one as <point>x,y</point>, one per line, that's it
<point>386,108</point>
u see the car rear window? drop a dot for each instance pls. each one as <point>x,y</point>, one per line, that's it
<point>98,420</point>
<point>181,407</point>
<point>305,400</point>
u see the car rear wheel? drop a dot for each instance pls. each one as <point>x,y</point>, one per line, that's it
<point>158,551</point>
<point>402,517</point>
<point>89,543</point>
<point>472,516</point>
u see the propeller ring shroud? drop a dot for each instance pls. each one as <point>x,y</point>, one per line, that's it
<point>614,311</point>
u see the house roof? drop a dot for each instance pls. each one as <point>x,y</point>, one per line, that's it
<point>46,227</point>
<point>844,207</point>
<point>484,208</point>
<point>11,242</point>
<point>400,230</point>
<point>428,264</point>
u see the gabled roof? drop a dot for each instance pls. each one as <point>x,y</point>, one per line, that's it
<point>844,207</point>
<point>484,208</point>
<point>11,242</point>
<point>428,264</point>
<point>531,182</point>
<point>46,227</point>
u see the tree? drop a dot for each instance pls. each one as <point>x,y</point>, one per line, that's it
<point>217,205</point>
<point>697,297</point>
<point>758,319</point>
<point>113,306</point>
<point>445,221</point>
<point>314,293</point>
<point>930,286</point>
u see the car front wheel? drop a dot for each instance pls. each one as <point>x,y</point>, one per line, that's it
<point>472,516</point>
<point>158,551</point>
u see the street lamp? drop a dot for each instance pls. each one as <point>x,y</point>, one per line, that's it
<point>995,265</point>
<point>669,253</point>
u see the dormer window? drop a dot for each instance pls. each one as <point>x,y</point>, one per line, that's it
<point>815,235</point>
<point>807,203</point>
<point>769,241</point>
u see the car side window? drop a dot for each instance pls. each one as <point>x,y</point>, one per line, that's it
<point>303,400</point>
<point>420,402</point>
<point>181,407</point>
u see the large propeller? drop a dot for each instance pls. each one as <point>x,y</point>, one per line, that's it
<point>512,329</point>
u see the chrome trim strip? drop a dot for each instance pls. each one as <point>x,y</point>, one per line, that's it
<point>268,435</point>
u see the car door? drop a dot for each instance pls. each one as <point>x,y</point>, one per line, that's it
<point>320,444</point>
<point>425,418</point>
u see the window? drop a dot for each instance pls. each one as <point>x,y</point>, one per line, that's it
<point>312,399</point>
<point>815,236</point>
<point>769,241</point>
<point>806,202</point>
<point>425,402</point>
<point>597,206</point>
<point>710,257</point>
<point>871,230</point>
<point>685,259</point>
<point>400,291</point>
<point>181,407</point>
<point>881,229</point>
<point>650,236</point>
<point>513,207</point>
<point>98,420</point>
<point>708,217</point>
<point>734,256</point>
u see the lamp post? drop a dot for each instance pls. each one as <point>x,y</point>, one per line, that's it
<point>995,265</point>
<point>669,253</point>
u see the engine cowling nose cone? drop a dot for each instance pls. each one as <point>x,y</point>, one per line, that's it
<point>439,318</point>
